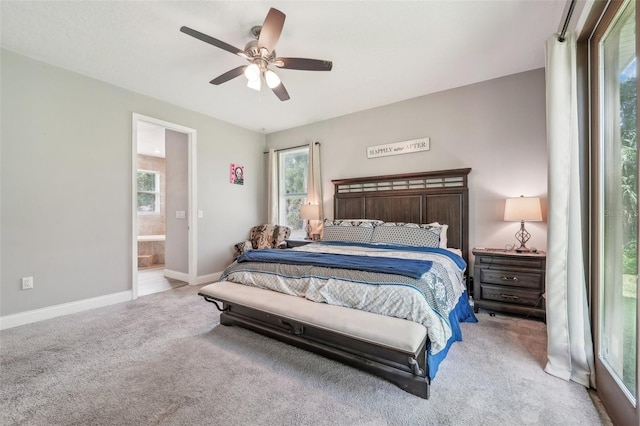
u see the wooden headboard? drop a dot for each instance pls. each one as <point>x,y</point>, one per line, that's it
<point>439,196</point>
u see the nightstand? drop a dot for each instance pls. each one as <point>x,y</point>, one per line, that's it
<point>511,282</point>
<point>297,242</point>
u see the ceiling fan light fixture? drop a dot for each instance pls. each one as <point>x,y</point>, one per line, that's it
<point>262,56</point>
<point>252,72</point>
<point>272,79</point>
<point>254,84</point>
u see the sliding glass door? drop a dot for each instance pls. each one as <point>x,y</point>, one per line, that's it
<point>616,281</point>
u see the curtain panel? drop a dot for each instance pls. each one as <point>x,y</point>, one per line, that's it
<point>314,185</point>
<point>272,187</point>
<point>570,346</point>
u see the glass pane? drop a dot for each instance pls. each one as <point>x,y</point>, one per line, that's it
<point>146,202</point>
<point>147,181</point>
<point>292,218</point>
<point>293,166</point>
<point>618,332</point>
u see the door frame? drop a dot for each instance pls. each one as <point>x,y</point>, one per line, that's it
<point>615,400</point>
<point>192,218</point>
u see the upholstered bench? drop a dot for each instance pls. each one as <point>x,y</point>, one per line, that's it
<point>392,348</point>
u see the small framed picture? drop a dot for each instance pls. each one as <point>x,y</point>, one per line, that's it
<point>237,174</point>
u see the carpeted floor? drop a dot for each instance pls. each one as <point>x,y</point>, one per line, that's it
<point>164,360</point>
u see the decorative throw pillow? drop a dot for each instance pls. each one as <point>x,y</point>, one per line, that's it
<point>409,234</point>
<point>242,248</point>
<point>350,230</point>
<point>280,233</point>
<point>261,236</point>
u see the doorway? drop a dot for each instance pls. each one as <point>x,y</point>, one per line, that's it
<point>163,221</point>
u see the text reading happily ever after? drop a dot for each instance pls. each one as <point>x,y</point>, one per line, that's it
<point>406,147</point>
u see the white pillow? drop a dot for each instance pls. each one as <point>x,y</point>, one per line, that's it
<point>443,233</point>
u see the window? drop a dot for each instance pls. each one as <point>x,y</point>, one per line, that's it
<point>619,172</point>
<point>293,170</point>
<point>148,191</point>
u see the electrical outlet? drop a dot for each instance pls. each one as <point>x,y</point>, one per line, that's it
<point>27,283</point>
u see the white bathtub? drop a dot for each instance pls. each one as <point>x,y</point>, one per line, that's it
<point>150,238</point>
<point>150,250</point>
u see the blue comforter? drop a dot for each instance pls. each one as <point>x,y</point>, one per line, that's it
<point>406,267</point>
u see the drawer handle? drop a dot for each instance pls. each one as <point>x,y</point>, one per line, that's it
<point>509,296</point>
<point>509,278</point>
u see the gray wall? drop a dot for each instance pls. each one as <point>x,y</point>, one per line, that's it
<point>495,127</point>
<point>176,249</point>
<point>66,184</point>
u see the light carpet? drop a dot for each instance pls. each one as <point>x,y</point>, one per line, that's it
<point>164,359</point>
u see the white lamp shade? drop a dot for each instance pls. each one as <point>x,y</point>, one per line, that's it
<point>309,211</point>
<point>272,79</point>
<point>252,72</point>
<point>523,208</point>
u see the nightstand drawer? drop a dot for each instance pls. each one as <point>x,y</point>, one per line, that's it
<point>511,278</point>
<point>489,261</point>
<point>510,295</point>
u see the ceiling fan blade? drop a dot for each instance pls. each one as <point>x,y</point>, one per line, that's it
<point>229,75</point>
<point>213,41</point>
<point>281,92</point>
<point>271,29</point>
<point>304,64</point>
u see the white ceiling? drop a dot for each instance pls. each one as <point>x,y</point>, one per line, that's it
<point>150,139</point>
<point>382,51</point>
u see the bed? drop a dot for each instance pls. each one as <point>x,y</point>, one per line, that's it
<point>384,291</point>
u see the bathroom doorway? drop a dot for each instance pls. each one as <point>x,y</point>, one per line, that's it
<point>163,224</point>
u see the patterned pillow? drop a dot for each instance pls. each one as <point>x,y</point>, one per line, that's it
<point>349,230</point>
<point>408,234</point>
<point>261,236</point>
<point>280,233</point>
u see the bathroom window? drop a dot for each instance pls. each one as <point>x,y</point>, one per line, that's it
<point>148,192</point>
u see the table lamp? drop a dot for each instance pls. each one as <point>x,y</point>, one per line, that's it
<point>521,209</point>
<point>309,212</point>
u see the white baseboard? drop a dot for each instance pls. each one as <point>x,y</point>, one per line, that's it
<point>28,317</point>
<point>180,276</point>
<point>202,279</point>
<point>209,278</point>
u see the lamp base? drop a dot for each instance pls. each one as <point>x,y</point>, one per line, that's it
<point>522,236</point>
<point>308,229</point>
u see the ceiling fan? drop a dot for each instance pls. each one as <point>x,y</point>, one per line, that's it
<point>262,57</point>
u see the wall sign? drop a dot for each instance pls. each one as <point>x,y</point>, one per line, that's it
<point>406,147</point>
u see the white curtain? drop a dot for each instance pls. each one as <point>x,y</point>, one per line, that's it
<point>272,187</point>
<point>570,347</point>
<point>314,185</point>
